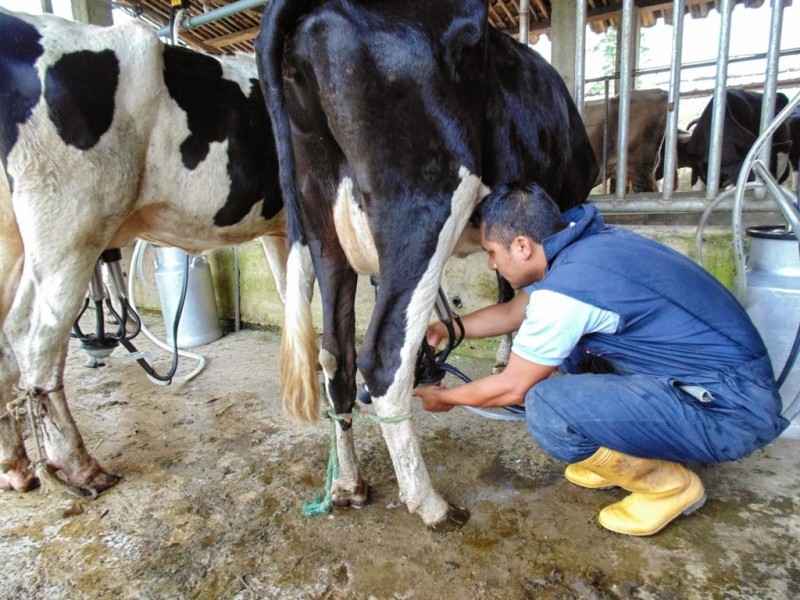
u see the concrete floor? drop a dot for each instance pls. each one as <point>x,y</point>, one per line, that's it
<point>213,477</point>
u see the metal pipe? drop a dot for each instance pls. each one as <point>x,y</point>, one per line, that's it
<point>524,15</point>
<point>624,98</point>
<point>781,195</point>
<point>604,162</point>
<point>217,14</point>
<point>770,87</point>
<point>580,56</point>
<point>655,206</point>
<point>696,65</point>
<point>673,97</point>
<point>237,294</point>
<point>718,112</point>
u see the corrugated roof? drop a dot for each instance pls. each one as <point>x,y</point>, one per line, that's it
<point>237,32</point>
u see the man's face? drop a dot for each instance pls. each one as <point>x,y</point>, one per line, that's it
<point>521,264</point>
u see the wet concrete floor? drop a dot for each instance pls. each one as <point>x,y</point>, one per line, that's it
<point>213,479</point>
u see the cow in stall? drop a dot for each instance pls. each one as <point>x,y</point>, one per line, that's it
<point>646,134</point>
<point>391,118</point>
<point>793,123</point>
<point>107,134</point>
<point>741,125</point>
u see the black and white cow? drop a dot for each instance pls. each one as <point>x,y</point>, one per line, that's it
<point>391,118</point>
<point>106,134</point>
<point>741,126</point>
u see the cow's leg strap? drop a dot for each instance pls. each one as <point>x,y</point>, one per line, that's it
<point>12,408</point>
<point>323,505</point>
<point>50,482</point>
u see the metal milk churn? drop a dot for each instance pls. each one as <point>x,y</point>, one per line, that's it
<point>199,322</point>
<point>773,300</point>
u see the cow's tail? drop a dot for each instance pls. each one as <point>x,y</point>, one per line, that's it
<point>299,382</point>
<point>278,21</point>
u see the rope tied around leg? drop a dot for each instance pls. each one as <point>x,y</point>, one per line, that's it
<point>49,481</point>
<point>322,505</point>
<point>12,408</point>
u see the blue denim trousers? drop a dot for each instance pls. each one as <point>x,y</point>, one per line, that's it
<point>572,416</point>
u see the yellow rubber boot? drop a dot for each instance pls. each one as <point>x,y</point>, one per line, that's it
<point>662,491</point>
<point>578,474</point>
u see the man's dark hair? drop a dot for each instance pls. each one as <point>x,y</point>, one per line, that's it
<point>512,210</point>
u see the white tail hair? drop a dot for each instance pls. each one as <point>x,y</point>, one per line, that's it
<point>300,388</point>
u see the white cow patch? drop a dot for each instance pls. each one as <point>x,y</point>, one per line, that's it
<point>353,230</point>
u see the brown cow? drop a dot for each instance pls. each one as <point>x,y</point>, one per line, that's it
<point>648,122</point>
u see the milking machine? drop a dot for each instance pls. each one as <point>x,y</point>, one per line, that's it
<point>100,345</point>
<point>768,278</point>
<point>179,277</point>
<point>432,366</point>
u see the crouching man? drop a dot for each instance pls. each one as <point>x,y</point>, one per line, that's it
<point>665,365</point>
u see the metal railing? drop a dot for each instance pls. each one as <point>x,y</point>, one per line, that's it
<point>692,201</point>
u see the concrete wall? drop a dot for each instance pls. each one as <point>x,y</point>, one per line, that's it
<point>469,279</point>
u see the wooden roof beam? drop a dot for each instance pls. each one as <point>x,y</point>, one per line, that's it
<point>233,38</point>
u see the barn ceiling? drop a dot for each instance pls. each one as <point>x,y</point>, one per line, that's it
<point>236,33</point>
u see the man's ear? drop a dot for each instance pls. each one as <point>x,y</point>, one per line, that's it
<point>524,246</point>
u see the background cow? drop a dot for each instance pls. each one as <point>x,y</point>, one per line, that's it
<point>390,118</point>
<point>793,123</point>
<point>107,134</point>
<point>741,125</point>
<point>646,134</point>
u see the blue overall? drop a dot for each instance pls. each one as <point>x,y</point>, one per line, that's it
<point>688,380</point>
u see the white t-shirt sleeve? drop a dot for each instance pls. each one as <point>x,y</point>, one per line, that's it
<point>553,325</point>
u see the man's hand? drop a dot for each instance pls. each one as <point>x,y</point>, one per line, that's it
<point>436,333</point>
<point>431,397</point>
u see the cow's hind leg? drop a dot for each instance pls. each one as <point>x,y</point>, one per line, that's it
<point>337,283</point>
<point>50,292</point>
<point>300,355</point>
<point>504,293</point>
<point>14,464</point>
<point>349,488</point>
<point>400,319</point>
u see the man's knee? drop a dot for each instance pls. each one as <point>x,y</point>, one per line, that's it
<point>547,424</point>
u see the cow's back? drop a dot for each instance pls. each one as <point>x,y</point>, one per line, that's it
<point>214,139</point>
<point>533,131</point>
<point>176,145</point>
<point>76,107</point>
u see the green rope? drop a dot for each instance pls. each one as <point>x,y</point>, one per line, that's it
<point>322,505</point>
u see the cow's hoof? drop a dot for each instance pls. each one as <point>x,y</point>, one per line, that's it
<point>89,486</point>
<point>99,483</point>
<point>18,479</point>
<point>456,517</point>
<point>355,498</point>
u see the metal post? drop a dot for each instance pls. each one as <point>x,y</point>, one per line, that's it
<point>524,15</point>
<point>718,112</point>
<point>773,54</point>
<point>673,98</point>
<point>580,56</point>
<point>624,97</point>
<point>604,161</point>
